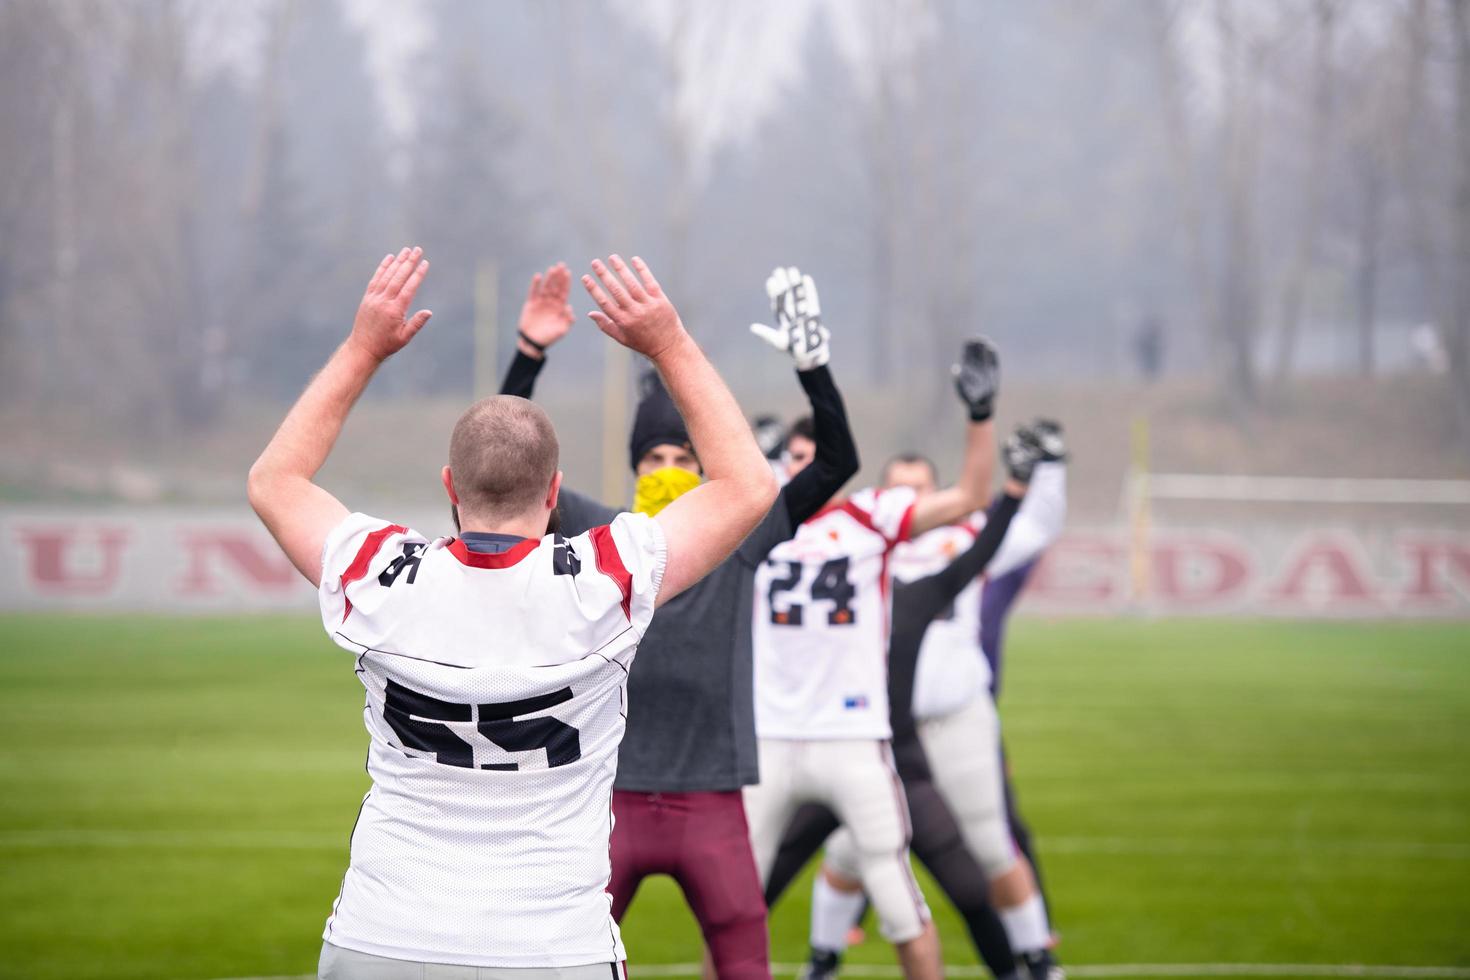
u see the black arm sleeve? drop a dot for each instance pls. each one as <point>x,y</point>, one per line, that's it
<point>915,604</point>
<point>836,459</point>
<point>520,377</point>
<point>941,588</point>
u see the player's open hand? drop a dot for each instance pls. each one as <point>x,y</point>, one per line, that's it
<point>798,312</point>
<point>546,316</point>
<point>382,326</point>
<point>977,377</point>
<point>632,309</point>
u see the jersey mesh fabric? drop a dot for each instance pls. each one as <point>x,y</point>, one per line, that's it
<point>495,704</point>
<point>821,622</point>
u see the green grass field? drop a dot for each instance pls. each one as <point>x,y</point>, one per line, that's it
<point>176,795</point>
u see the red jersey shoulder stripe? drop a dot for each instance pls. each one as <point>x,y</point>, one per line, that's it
<point>610,563</point>
<point>860,515</point>
<point>905,525</point>
<point>364,558</point>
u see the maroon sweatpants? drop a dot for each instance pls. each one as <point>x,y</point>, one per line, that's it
<point>702,842</point>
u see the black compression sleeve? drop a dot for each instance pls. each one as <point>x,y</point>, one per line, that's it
<point>520,377</point>
<point>945,585</point>
<point>836,458</point>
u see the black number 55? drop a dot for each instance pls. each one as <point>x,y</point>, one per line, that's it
<point>418,720</point>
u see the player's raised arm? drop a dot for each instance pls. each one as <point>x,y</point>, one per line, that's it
<point>546,316</point>
<point>1043,513</point>
<point>1022,452</point>
<point>703,526</point>
<point>799,332</point>
<point>977,378</point>
<point>297,512</point>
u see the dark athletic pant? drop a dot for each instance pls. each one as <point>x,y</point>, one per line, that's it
<point>938,844</point>
<point>702,842</point>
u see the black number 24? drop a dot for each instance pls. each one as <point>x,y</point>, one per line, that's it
<point>418,720</point>
<point>831,584</point>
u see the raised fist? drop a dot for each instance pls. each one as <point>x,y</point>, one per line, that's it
<point>1049,434</point>
<point>1021,452</point>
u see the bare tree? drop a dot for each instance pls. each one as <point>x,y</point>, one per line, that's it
<point>1314,187</point>
<point>1459,333</point>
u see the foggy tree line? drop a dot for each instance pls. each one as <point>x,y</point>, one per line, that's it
<point>179,240</point>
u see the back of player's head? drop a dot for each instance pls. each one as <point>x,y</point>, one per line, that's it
<point>907,469</point>
<point>503,455</point>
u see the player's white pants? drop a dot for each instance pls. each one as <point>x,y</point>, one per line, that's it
<point>337,963</point>
<point>856,780</point>
<point>964,755</point>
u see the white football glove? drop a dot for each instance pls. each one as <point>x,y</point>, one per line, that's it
<point>798,311</point>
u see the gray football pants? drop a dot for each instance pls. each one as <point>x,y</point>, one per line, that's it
<point>346,964</point>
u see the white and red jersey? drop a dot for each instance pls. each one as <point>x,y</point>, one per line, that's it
<point>822,611</point>
<point>952,668</point>
<point>495,705</point>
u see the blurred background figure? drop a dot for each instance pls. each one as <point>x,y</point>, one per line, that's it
<point>1148,348</point>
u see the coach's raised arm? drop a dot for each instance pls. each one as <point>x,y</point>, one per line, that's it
<point>704,526</point>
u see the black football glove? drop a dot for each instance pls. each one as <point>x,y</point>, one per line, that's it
<point>1048,432</point>
<point>1022,451</point>
<point>977,377</point>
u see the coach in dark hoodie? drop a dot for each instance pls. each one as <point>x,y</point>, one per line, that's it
<point>690,743</point>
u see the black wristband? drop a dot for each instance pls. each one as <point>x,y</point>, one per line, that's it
<point>981,413</point>
<point>539,348</point>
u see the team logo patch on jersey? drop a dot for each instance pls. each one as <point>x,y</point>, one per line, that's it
<point>856,703</point>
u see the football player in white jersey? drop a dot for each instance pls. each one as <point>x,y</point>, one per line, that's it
<point>495,662</point>
<point>821,634</point>
<point>956,715</point>
<point>955,721</point>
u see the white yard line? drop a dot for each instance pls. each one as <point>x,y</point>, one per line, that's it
<point>1102,970</point>
<point>1116,970</point>
<point>1224,846</point>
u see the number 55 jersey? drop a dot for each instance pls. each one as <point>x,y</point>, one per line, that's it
<point>495,677</point>
<point>822,618</point>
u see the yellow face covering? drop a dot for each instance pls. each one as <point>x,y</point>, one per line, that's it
<point>658,489</point>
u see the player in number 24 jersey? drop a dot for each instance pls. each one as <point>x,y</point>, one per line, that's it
<point>821,635</point>
<point>821,624</point>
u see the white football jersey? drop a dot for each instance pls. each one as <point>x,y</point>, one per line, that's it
<point>822,608</point>
<point>495,705</point>
<point>952,667</point>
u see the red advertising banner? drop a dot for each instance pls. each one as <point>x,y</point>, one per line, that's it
<point>224,561</point>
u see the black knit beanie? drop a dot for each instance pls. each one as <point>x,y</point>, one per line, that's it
<point>657,422</point>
